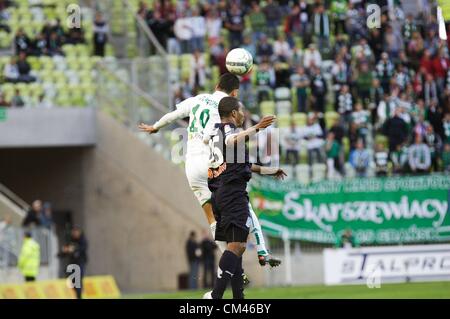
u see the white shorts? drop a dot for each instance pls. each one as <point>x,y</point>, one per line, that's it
<point>196,167</point>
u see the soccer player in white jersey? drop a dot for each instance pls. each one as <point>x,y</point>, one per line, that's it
<point>203,115</point>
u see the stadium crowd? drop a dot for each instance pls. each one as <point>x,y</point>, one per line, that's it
<point>391,81</point>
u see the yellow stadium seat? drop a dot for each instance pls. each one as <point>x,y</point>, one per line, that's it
<point>299,119</point>
<point>267,108</point>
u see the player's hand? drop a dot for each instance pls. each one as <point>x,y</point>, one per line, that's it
<point>280,174</point>
<point>266,121</point>
<point>147,128</point>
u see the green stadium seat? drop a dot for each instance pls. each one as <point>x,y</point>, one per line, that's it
<point>267,108</point>
<point>283,121</point>
<point>330,118</point>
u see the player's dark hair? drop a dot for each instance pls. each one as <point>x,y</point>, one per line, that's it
<point>227,105</point>
<point>228,83</point>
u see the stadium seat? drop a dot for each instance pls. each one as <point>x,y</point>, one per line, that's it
<point>302,173</point>
<point>267,108</point>
<point>299,119</point>
<point>319,172</point>
<point>283,120</point>
<point>349,170</point>
<point>282,94</point>
<point>330,118</point>
<point>283,107</point>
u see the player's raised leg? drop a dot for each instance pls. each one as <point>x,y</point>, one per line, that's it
<point>263,254</point>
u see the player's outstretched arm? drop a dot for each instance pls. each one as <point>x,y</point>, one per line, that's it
<point>276,172</point>
<point>182,111</point>
<point>265,122</point>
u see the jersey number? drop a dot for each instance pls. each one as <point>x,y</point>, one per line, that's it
<point>204,118</point>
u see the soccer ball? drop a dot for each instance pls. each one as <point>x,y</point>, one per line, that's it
<point>239,61</point>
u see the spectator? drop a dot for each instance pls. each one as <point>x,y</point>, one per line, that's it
<point>313,134</point>
<point>208,247</point>
<point>434,143</point>
<point>54,45</point>
<point>40,45</point>
<point>446,158</point>
<point>312,58</point>
<point>75,251</point>
<point>22,42</point>
<point>198,24</point>
<point>333,151</point>
<point>339,11</point>
<point>257,21</point>
<point>273,14</point>
<point>365,83</point>
<point>281,49</point>
<point>29,258</point>
<point>184,32</point>
<point>46,219</point>
<point>319,90</point>
<point>361,118</point>
<point>381,160</point>
<point>249,45</point>
<point>17,100</point>
<point>345,105</point>
<point>419,156</point>
<point>75,36</point>
<point>3,101</point>
<point>235,24</point>
<point>101,30</point>
<point>399,158</point>
<point>24,69</point>
<point>300,81</point>
<point>446,126</point>
<point>213,27</point>
<point>43,102</point>
<point>321,27</point>
<point>198,73</point>
<point>385,71</point>
<point>265,80</point>
<point>293,26</point>
<point>393,42</point>
<point>409,28</point>
<point>33,215</point>
<point>360,159</point>
<point>396,130</point>
<point>347,240</point>
<point>193,253</point>
<point>264,50</point>
<point>160,28</point>
<point>292,141</point>
<point>11,71</point>
<point>430,90</point>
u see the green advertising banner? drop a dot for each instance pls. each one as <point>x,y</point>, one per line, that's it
<point>378,210</point>
<point>2,114</point>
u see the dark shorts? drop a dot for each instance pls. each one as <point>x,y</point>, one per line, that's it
<point>230,207</point>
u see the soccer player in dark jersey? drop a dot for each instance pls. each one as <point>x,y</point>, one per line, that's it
<point>228,183</point>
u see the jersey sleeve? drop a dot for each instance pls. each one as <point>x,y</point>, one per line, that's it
<point>182,111</point>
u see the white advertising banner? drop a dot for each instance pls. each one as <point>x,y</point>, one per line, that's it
<point>386,264</point>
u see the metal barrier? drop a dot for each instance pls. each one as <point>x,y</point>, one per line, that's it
<point>11,239</point>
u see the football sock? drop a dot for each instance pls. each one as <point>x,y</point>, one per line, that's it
<point>227,267</point>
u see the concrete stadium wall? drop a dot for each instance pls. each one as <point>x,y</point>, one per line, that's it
<point>39,127</point>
